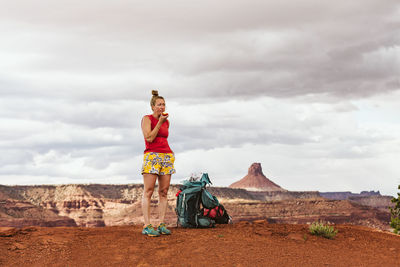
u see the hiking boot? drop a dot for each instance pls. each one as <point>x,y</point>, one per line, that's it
<point>162,229</point>
<point>150,231</point>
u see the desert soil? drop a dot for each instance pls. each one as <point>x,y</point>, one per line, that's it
<point>242,244</point>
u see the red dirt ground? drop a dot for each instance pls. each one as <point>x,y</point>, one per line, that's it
<point>241,244</point>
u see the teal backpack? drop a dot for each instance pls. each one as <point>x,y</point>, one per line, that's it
<point>191,199</point>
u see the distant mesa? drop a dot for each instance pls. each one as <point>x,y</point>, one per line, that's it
<point>255,180</point>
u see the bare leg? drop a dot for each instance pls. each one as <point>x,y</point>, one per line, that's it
<point>149,181</point>
<point>163,186</point>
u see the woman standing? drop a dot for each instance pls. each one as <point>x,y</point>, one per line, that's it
<point>158,163</point>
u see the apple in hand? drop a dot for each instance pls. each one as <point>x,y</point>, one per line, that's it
<point>165,114</point>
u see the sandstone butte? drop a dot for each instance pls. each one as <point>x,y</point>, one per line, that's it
<point>255,180</point>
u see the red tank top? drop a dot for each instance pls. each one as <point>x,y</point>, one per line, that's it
<point>160,143</point>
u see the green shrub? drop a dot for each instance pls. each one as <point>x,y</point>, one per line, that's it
<point>322,229</point>
<point>395,211</point>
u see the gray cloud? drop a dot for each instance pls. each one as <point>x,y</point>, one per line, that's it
<point>242,49</point>
<point>251,76</point>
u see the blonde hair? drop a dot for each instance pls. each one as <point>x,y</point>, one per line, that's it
<point>155,97</point>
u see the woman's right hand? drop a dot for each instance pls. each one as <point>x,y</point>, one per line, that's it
<point>163,118</point>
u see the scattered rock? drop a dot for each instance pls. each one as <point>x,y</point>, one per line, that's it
<point>352,239</point>
<point>243,223</point>
<point>17,246</point>
<point>8,231</point>
<point>27,230</point>
<point>295,236</point>
<point>260,222</point>
<point>392,249</point>
<point>263,232</point>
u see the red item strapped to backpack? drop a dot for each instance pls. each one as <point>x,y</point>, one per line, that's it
<point>213,213</point>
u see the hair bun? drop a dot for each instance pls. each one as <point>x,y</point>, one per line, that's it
<point>154,92</point>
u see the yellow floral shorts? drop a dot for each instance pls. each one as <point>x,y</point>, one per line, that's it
<point>158,163</point>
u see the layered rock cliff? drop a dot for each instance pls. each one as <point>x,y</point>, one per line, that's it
<point>348,194</point>
<point>109,205</point>
<point>23,213</point>
<point>87,205</point>
<point>304,211</point>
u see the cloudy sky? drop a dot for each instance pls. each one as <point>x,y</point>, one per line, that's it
<point>310,89</point>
